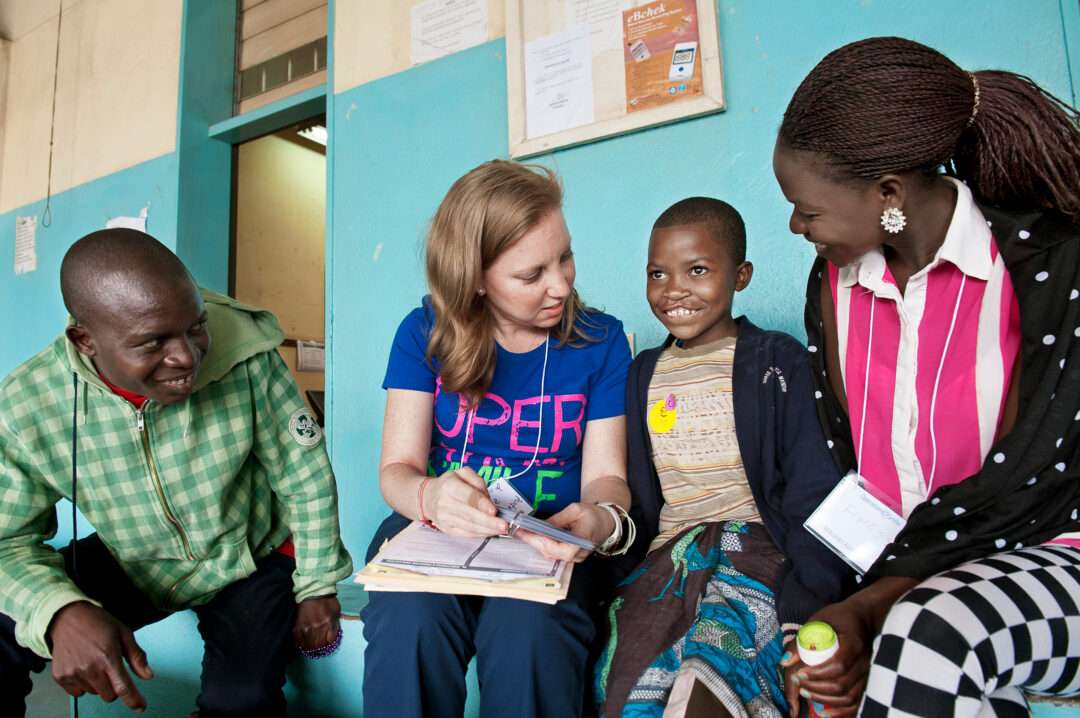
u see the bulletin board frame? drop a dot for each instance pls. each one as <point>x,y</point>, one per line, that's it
<point>527,20</point>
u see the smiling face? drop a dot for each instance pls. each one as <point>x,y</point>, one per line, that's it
<point>149,341</point>
<point>526,286</point>
<point>691,281</point>
<point>841,220</point>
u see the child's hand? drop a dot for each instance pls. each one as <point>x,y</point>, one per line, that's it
<point>458,504</point>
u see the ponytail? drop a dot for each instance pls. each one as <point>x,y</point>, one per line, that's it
<point>888,105</point>
<point>1023,149</point>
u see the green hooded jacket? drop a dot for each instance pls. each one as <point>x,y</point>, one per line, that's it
<point>186,496</point>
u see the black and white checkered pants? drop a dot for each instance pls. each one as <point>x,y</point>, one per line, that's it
<point>965,642</point>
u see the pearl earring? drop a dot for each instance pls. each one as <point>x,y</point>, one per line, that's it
<point>481,291</point>
<point>893,220</point>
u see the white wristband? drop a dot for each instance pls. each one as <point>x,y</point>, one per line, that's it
<point>619,514</point>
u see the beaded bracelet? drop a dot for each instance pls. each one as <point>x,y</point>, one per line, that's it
<point>322,651</point>
<point>420,503</point>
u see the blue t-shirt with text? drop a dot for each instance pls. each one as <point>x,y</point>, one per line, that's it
<point>582,383</point>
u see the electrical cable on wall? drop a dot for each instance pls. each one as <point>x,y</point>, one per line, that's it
<point>46,216</point>
<point>74,499</point>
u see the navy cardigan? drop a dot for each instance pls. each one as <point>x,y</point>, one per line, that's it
<point>787,463</point>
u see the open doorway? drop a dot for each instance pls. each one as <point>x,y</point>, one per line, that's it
<point>278,257</point>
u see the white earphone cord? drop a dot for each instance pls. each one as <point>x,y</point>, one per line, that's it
<point>539,423</point>
<point>933,394</point>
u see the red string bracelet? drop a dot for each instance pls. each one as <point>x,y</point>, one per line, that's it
<point>420,503</point>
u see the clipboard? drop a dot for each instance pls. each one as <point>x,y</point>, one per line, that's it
<point>415,566</point>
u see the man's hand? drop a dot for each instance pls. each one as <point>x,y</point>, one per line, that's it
<point>316,622</point>
<point>89,648</point>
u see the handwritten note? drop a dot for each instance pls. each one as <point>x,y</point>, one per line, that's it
<point>853,524</point>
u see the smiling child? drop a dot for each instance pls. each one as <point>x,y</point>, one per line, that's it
<point>726,460</point>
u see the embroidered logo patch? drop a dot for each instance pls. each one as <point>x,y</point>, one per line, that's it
<point>303,428</point>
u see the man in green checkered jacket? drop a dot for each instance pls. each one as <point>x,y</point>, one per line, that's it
<point>200,468</point>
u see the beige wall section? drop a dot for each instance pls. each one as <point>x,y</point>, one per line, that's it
<point>372,38</point>
<point>5,61</point>
<point>280,239</point>
<point>116,94</point>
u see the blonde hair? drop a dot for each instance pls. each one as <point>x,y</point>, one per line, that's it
<point>484,213</point>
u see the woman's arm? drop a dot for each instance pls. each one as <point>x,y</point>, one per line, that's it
<point>456,502</point>
<point>603,480</point>
<point>603,464</point>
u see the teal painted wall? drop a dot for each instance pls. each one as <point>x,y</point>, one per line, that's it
<point>33,312</point>
<point>204,168</point>
<point>399,143</point>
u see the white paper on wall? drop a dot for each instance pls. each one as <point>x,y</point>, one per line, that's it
<point>604,18</point>
<point>310,356</point>
<point>440,27</point>
<point>25,244</point>
<point>558,82</point>
<point>138,223</point>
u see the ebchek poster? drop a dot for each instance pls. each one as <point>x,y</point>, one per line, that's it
<point>662,53</point>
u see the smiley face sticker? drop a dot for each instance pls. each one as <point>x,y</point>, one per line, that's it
<point>662,415</point>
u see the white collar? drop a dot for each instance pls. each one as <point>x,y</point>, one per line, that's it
<point>967,245</point>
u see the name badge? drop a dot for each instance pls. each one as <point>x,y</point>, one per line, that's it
<point>662,415</point>
<point>505,496</point>
<point>854,524</point>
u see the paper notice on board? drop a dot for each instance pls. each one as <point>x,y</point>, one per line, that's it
<point>25,244</point>
<point>310,356</point>
<point>604,18</point>
<point>558,82</point>
<point>662,51</point>
<point>138,223</point>
<point>440,27</point>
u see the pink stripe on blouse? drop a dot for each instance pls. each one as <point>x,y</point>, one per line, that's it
<point>941,357</point>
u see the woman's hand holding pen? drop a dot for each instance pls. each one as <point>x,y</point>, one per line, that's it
<point>458,504</point>
<point>587,520</point>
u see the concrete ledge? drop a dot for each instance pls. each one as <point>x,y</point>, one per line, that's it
<point>352,597</point>
<point>1055,701</point>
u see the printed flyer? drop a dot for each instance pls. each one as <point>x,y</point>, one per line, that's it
<point>662,53</point>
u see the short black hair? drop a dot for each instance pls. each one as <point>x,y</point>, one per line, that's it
<point>95,265</point>
<point>724,222</point>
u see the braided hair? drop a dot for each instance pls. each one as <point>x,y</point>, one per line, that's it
<point>888,105</point>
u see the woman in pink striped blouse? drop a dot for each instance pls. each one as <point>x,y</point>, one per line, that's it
<point>943,324</point>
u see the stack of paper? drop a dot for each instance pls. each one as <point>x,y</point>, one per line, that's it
<point>425,560</point>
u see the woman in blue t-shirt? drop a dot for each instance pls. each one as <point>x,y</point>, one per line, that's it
<point>502,384</point>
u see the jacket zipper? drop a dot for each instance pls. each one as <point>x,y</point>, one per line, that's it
<point>139,420</point>
<point>167,601</point>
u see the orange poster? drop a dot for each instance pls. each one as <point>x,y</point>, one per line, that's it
<point>662,53</point>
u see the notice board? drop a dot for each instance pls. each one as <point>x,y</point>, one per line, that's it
<point>582,70</point>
